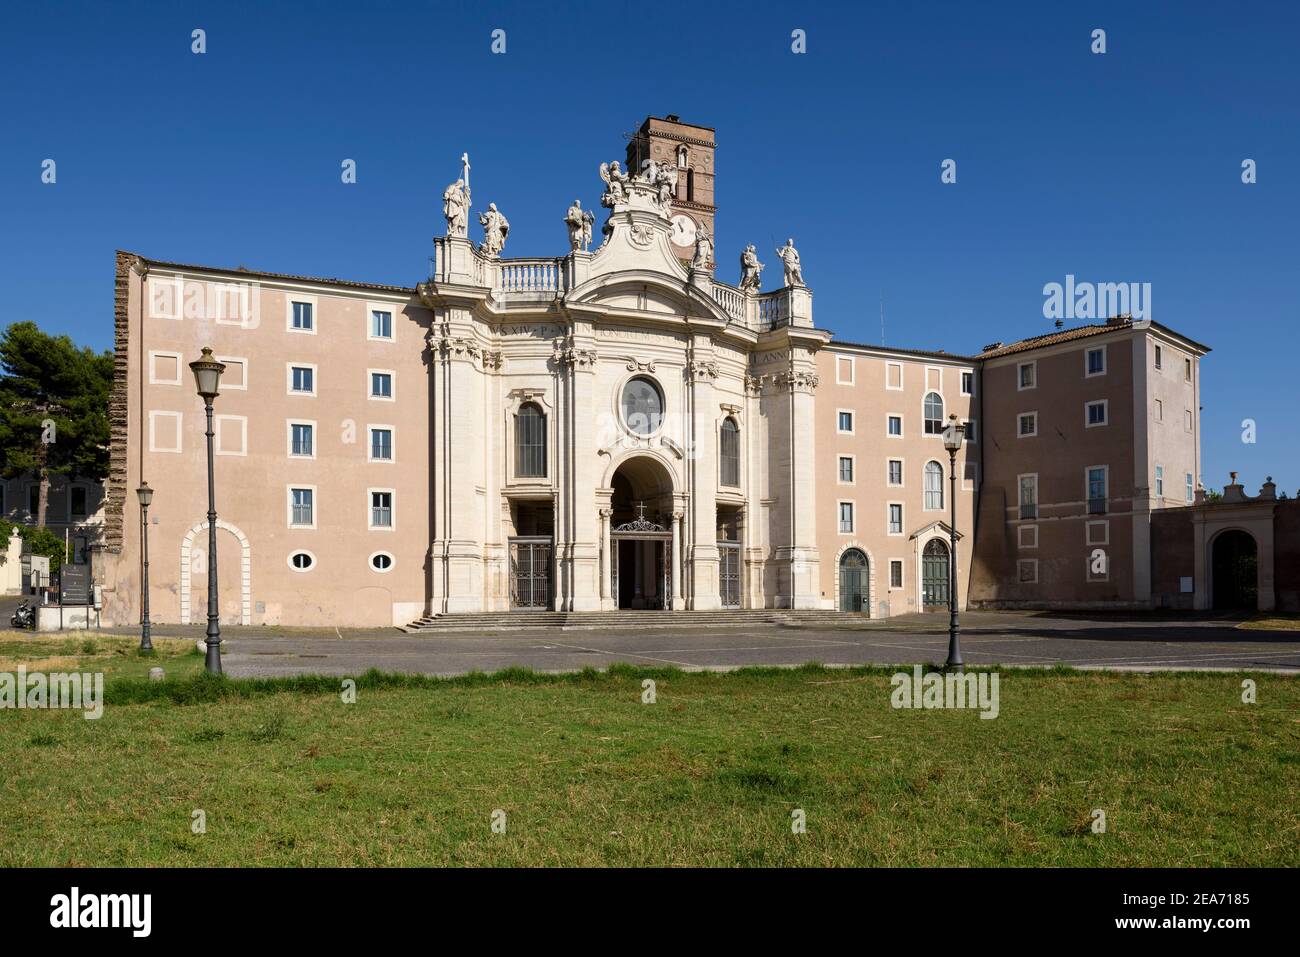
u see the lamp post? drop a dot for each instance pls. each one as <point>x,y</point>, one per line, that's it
<point>207,376</point>
<point>145,494</point>
<point>952,436</point>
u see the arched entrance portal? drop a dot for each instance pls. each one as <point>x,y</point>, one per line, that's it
<point>853,581</point>
<point>1234,569</point>
<point>934,574</point>
<point>643,552</point>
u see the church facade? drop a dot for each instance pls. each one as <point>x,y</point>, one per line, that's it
<point>613,428</point>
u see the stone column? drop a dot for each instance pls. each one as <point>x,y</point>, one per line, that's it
<point>576,520</point>
<point>800,578</point>
<point>679,600</point>
<point>702,471</point>
<point>606,564</point>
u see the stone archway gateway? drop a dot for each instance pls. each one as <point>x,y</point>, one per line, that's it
<point>245,569</point>
<point>1234,570</point>
<point>853,581</point>
<point>642,539</point>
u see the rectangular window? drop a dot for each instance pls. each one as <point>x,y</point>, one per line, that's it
<point>302,316</point>
<point>1190,488</point>
<point>967,383</point>
<point>1187,370</point>
<point>844,371</point>
<point>1160,411</point>
<point>846,469</point>
<point>895,471</point>
<point>846,421</point>
<point>300,439</point>
<point>1097,490</point>
<point>33,501</point>
<point>970,431</point>
<point>1027,375</point>
<point>1027,569</point>
<point>1187,420</point>
<point>381,445</point>
<point>1160,481</point>
<point>302,379</point>
<point>894,376</point>
<point>1096,361</point>
<point>896,426</point>
<point>1095,413</point>
<point>1027,536</point>
<point>381,385</point>
<point>1027,425</point>
<point>381,509</point>
<point>77,506</point>
<point>895,519</point>
<point>895,573</point>
<point>1097,533</point>
<point>846,517</point>
<point>1028,496</point>
<point>302,507</point>
<point>1159,357</point>
<point>381,324</point>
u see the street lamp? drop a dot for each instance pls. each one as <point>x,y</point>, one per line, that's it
<point>952,436</point>
<point>207,376</point>
<point>145,494</point>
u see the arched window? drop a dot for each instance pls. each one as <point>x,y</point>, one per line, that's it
<point>682,157</point>
<point>933,485</point>
<point>530,441</point>
<point>729,452</point>
<point>933,413</point>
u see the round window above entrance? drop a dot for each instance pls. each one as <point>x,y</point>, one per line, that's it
<point>642,405</point>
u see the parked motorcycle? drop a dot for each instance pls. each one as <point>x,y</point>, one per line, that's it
<point>24,616</point>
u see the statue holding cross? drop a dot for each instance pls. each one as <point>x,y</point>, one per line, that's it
<point>455,202</point>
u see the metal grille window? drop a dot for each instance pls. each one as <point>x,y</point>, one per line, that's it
<point>895,471</point>
<point>302,318</point>
<point>1097,491</point>
<point>846,516</point>
<point>1028,496</point>
<point>301,439</point>
<point>381,324</point>
<point>381,444</point>
<point>530,442</point>
<point>302,506</point>
<point>381,509</point>
<point>730,452</point>
<point>933,414</point>
<point>933,485</point>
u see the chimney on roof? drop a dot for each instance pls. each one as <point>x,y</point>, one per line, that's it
<point>1117,320</point>
<point>1060,323</point>
<point>991,346</point>
<point>673,118</point>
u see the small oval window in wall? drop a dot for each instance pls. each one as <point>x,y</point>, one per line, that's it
<point>381,561</point>
<point>302,561</point>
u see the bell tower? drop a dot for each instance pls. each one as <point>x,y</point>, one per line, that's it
<point>689,149</point>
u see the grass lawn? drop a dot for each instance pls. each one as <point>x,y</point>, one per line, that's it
<point>288,774</point>
<point>115,655</point>
<point>1272,622</point>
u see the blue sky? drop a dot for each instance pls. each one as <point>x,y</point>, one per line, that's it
<point>1114,168</point>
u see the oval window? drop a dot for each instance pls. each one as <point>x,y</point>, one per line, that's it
<point>642,405</point>
<point>381,561</point>
<point>301,561</point>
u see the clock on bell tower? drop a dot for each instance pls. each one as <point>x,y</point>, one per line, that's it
<point>670,142</point>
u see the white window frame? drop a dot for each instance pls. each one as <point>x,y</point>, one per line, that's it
<point>1038,503</point>
<point>392,510</point>
<point>1189,421</point>
<point>373,307</point>
<point>370,562</point>
<point>902,519</point>
<point>839,516</point>
<point>1189,487</point>
<point>392,385</point>
<point>1092,525</point>
<point>370,445</point>
<point>925,491</point>
<point>1021,543</point>
<point>1159,478</point>
<point>853,370</point>
<point>853,422</point>
<point>289,300</point>
<point>288,429</point>
<point>288,378</point>
<point>1158,410</point>
<point>902,425</point>
<point>902,575</point>
<point>1032,364</point>
<point>1159,358</point>
<point>288,559</point>
<point>218,426</point>
<point>1187,369</point>
<point>902,473</point>
<point>1087,495</point>
<point>1105,413</point>
<point>1105,364</point>
<point>1027,435</point>
<point>158,354</point>
<point>242,360</point>
<point>853,465</point>
<point>154,415</point>
<point>961,379</point>
<point>315,506</point>
<point>899,367</point>
<point>943,413</point>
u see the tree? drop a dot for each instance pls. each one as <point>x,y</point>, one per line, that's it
<point>53,408</point>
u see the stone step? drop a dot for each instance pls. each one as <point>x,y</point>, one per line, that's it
<point>517,620</point>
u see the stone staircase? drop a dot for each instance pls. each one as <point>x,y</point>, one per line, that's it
<point>628,620</point>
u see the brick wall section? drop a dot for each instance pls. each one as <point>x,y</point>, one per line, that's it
<point>115,485</point>
<point>1286,555</point>
<point>1173,556</point>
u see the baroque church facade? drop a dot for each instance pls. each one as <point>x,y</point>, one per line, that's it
<point>614,428</point>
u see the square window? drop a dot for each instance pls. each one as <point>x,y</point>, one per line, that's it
<point>895,471</point>
<point>164,368</point>
<point>1027,536</point>
<point>300,439</point>
<point>381,324</point>
<point>895,573</point>
<point>846,421</point>
<point>381,445</point>
<point>1097,533</point>
<point>1027,375</point>
<point>302,379</point>
<point>846,517</point>
<point>896,426</point>
<point>1096,361</point>
<point>164,431</point>
<point>846,469</point>
<point>301,317</point>
<point>1027,425</point>
<point>1095,413</point>
<point>895,518</point>
<point>381,385</point>
<point>1027,571</point>
<point>236,374</point>
<point>230,434</point>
